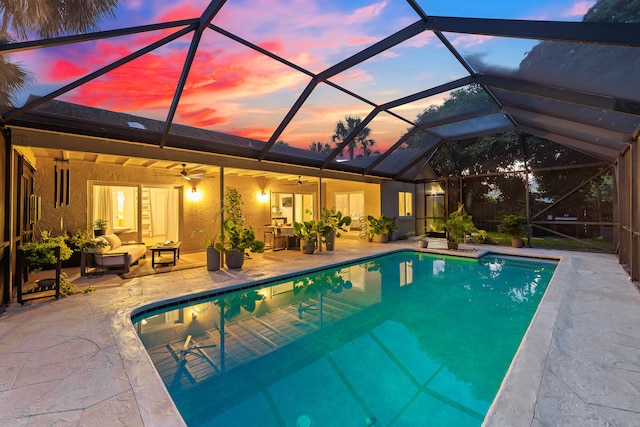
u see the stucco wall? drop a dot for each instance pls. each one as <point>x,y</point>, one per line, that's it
<point>74,217</point>
<point>389,205</point>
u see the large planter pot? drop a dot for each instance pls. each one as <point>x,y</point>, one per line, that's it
<point>517,243</point>
<point>306,247</point>
<point>331,240</point>
<point>452,245</point>
<point>381,238</point>
<point>423,243</point>
<point>213,259</point>
<point>234,259</point>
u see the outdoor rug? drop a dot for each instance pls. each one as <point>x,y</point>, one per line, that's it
<point>186,261</point>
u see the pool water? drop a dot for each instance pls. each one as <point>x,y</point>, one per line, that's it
<point>407,339</point>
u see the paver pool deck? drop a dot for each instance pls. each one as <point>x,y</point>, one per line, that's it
<point>78,361</point>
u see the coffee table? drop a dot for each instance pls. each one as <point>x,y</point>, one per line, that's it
<point>165,247</point>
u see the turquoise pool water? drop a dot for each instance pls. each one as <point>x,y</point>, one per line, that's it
<point>408,339</point>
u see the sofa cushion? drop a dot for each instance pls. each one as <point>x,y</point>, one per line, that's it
<point>115,257</point>
<point>114,241</point>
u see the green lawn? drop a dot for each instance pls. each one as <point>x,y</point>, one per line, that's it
<point>556,243</point>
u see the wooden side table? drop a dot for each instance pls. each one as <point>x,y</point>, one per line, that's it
<point>165,247</point>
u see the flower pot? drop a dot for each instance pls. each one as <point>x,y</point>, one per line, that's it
<point>213,259</point>
<point>234,259</point>
<point>331,240</point>
<point>452,245</point>
<point>306,247</point>
<point>423,243</point>
<point>381,238</point>
<point>517,243</point>
<point>45,283</point>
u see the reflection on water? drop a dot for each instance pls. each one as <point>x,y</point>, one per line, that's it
<point>405,310</point>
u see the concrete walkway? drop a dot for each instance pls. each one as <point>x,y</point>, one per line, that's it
<point>78,361</point>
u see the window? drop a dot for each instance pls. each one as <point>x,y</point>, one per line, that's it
<point>405,203</point>
<point>351,204</point>
<point>137,212</point>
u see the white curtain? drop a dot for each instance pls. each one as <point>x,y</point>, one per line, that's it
<point>173,214</point>
<point>102,203</point>
<point>165,212</point>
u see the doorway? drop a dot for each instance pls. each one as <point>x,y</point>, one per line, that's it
<point>141,213</point>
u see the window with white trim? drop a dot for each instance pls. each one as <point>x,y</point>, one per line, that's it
<point>405,203</point>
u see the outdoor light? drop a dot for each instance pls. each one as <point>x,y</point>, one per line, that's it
<point>194,195</point>
<point>263,196</point>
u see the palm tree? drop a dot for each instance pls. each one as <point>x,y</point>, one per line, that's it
<point>44,18</point>
<point>12,78</point>
<point>344,128</point>
<point>319,147</point>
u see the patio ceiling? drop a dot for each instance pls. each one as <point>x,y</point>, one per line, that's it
<point>235,80</point>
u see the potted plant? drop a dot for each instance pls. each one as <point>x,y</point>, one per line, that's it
<point>458,225</point>
<point>235,241</point>
<point>382,227</point>
<point>337,222</point>
<point>100,227</point>
<point>310,234</point>
<point>214,257</point>
<point>422,241</point>
<point>514,226</point>
<point>41,253</point>
<point>85,242</point>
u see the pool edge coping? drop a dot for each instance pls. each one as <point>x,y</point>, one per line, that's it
<point>160,409</point>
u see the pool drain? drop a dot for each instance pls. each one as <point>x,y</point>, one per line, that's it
<point>303,421</point>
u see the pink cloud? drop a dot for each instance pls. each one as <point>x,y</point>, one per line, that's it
<point>366,13</point>
<point>579,8</point>
<point>466,41</point>
<point>203,117</point>
<point>64,70</point>
<point>227,81</point>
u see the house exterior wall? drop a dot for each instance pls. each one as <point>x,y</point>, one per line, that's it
<point>75,216</point>
<point>389,205</point>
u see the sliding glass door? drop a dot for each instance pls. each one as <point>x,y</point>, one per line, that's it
<point>139,213</point>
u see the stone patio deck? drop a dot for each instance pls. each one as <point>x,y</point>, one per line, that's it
<point>77,361</point>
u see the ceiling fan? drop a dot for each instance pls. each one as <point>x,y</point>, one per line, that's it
<point>189,176</point>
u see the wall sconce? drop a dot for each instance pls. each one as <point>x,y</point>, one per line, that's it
<point>194,314</point>
<point>194,195</point>
<point>263,196</point>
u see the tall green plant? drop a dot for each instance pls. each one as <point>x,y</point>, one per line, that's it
<point>459,225</point>
<point>233,206</point>
<point>239,238</point>
<point>334,219</point>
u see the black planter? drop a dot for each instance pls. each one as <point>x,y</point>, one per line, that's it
<point>234,259</point>
<point>213,259</point>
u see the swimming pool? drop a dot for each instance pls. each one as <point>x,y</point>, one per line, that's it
<point>405,339</point>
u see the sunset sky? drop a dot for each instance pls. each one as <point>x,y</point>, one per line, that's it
<point>236,90</point>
